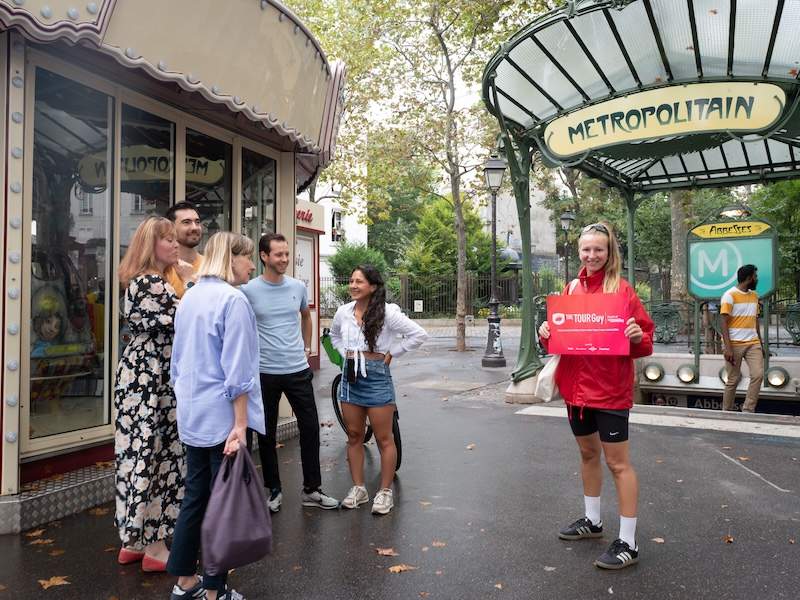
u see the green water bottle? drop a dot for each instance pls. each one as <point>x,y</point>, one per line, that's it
<point>333,353</point>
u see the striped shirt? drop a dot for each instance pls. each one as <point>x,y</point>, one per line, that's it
<point>743,310</point>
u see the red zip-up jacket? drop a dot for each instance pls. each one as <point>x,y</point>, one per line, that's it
<point>603,381</point>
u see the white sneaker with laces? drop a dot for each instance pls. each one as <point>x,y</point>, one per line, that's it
<point>275,501</point>
<point>319,499</point>
<point>384,501</point>
<point>355,497</point>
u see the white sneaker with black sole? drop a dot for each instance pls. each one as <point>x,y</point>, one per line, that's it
<point>319,499</point>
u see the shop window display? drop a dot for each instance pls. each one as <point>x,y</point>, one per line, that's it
<point>208,180</point>
<point>69,268</point>
<point>258,195</point>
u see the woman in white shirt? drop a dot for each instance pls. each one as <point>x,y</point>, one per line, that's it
<point>365,332</point>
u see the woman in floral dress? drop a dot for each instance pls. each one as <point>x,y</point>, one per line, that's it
<point>149,455</point>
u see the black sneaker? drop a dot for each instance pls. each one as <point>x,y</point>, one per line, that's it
<point>275,500</point>
<point>580,529</point>
<point>618,556</point>
<point>197,592</point>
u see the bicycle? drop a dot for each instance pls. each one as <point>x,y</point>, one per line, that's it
<point>337,360</point>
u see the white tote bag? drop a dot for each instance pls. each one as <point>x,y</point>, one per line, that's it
<point>546,388</point>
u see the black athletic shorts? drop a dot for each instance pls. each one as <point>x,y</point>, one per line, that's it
<point>612,425</point>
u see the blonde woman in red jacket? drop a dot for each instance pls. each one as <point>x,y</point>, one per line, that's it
<point>598,391</point>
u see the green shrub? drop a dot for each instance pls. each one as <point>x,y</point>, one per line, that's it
<point>349,256</point>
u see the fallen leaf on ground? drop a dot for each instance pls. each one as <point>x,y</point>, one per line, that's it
<point>2,588</point>
<point>147,584</point>
<point>679,481</point>
<point>99,512</point>
<point>386,552</point>
<point>548,569</point>
<point>728,539</point>
<point>297,568</point>
<point>279,445</point>
<point>658,540</point>
<point>727,448</point>
<point>610,590</point>
<point>439,572</point>
<point>658,460</point>
<point>425,548</point>
<point>401,568</point>
<point>470,446</point>
<point>743,458</point>
<point>110,549</point>
<point>424,594</point>
<point>724,506</point>
<point>34,533</point>
<point>41,542</point>
<point>438,544</point>
<point>424,503</point>
<point>499,586</point>
<point>54,581</point>
<point>792,541</point>
<point>56,552</point>
<point>113,598</point>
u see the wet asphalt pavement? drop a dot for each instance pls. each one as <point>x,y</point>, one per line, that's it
<point>479,499</point>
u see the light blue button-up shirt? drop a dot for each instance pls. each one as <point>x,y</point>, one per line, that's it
<point>214,360</point>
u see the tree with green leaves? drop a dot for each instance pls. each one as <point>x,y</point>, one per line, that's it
<point>434,249</point>
<point>779,203</point>
<point>348,256</point>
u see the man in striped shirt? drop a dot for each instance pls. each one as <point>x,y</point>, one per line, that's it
<point>742,338</point>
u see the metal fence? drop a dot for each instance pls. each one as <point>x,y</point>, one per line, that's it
<point>435,296</point>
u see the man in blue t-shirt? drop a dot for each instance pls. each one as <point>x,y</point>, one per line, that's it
<point>284,326</point>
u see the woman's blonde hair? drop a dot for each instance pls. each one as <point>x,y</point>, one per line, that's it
<point>140,257</point>
<point>613,266</point>
<point>220,250</point>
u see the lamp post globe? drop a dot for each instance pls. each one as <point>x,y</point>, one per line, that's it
<point>494,170</point>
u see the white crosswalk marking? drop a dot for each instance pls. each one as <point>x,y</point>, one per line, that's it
<point>661,420</point>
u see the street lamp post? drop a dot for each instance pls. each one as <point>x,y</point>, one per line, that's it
<point>493,171</point>
<point>567,219</point>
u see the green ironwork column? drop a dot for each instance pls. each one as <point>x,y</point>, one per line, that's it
<point>519,154</point>
<point>631,205</point>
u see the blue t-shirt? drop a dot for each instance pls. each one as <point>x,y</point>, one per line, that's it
<point>277,307</point>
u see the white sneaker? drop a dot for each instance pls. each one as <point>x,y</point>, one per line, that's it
<point>383,503</point>
<point>275,500</point>
<point>319,499</point>
<point>355,497</point>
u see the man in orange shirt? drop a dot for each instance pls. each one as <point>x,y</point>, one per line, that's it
<point>189,231</point>
<point>742,338</point>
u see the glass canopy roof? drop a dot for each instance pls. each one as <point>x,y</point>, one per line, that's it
<point>595,51</point>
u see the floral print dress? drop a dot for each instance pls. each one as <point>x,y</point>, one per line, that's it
<point>149,454</point>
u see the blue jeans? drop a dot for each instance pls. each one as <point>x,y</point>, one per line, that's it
<point>202,465</point>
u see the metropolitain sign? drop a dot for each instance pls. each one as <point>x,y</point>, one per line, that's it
<point>676,110</point>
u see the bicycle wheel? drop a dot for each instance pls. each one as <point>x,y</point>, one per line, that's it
<point>397,442</point>
<point>337,407</point>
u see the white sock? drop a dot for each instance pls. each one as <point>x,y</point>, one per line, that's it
<point>592,504</point>
<point>627,531</point>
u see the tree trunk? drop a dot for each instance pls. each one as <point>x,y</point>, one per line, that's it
<point>678,286</point>
<point>461,263</point>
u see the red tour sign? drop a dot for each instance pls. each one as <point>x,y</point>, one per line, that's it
<point>590,324</point>
<point>304,215</point>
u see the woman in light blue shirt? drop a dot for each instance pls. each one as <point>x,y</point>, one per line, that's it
<point>215,376</point>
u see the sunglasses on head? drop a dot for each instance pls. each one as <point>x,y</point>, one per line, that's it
<point>596,227</point>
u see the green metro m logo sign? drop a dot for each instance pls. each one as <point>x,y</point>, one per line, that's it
<point>713,262</point>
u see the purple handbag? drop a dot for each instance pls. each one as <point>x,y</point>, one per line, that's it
<point>237,528</point>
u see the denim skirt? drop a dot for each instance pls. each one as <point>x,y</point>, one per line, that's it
<point>376,389</point>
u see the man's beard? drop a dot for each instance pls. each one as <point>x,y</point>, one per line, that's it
<point>190,243</point>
